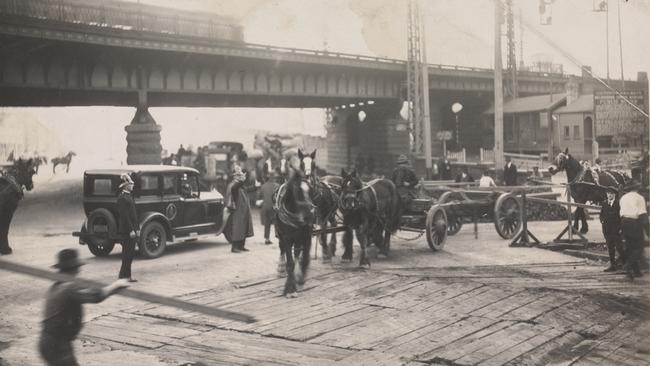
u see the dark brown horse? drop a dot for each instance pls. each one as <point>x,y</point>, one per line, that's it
<point>325,197</point>
<point>13,182</point>
<point>294,219</point>
<point>372,210</point>
<point>586,184</point>
<point>64,160</point>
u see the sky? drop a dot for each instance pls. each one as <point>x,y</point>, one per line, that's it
<point>458,32</point>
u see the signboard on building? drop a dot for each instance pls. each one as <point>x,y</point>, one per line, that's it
<point>444,135</point>
<point>615,117</point>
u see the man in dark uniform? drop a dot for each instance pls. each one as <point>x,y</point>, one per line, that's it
<point>128,226</point>
<point>64,312</point>
<point>634,220</point>
<point>610,218</point>
<point>510,173</point>
<point>405,180</point>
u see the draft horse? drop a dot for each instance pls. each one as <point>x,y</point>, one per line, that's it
<point>13,182</point>
<point>64,160</point>
<point>294,219</point>
<point>325,196</point>
<point>583,184</point>
<point>372,210</point>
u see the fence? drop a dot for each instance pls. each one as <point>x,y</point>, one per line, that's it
<point>486,155</point>
<point>525,162</point>
<point>459,156</point>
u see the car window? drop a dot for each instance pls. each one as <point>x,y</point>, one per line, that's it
<point>102,187</point>
<point>170,184</point>
<point>149,185</point>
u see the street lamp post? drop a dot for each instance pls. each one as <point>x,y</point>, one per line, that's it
<point>456,108</point>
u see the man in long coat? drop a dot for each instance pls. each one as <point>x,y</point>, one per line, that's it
<point>267,214</point>
<point>239,225</point>
<point>510,173</point>
<point>128,226</point>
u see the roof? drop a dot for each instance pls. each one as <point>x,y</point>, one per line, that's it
<point>584,103</point>
<point>143,169</point>
<point>535,103</point>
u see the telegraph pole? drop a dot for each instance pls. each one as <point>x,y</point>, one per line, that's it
<point>498,91</point>
<point>620,40</point>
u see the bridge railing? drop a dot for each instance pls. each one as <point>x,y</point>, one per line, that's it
<point>126,16</point>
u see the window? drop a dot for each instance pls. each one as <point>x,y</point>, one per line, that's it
<point>576,132</point>
<point>567,132</point>
<point>102,187</point>
<point>149,185</point>
<point>170,184</point>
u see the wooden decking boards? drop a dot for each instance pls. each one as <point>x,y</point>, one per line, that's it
<point>489,315</point>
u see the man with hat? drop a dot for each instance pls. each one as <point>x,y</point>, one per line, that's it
<point>405,180</point>
<point>610,218</point>
<point>239,224</point>
<point>128,226</point>
<point>267,214</point>
<point>64,312</point>
<point>634,217</point>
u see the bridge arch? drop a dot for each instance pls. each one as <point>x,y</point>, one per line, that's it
<point>173,79</point>
<point>156,77</point>
<point>205,80</point>
<point>13,71</point>
<point>99,76</point>
<point>221,81</point>
<point>56,74</point>
<point>235,81</point>
<point>262,83</point>
<point>248,81</point>
<point>190,80</point>
<point>119,78</point>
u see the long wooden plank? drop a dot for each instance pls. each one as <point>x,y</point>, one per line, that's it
<point>130,293</point>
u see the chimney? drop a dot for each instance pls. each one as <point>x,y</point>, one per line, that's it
<point>642,76</point>
<point>572,88</point>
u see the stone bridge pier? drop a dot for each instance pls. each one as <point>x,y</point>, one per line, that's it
<point>143,135</point>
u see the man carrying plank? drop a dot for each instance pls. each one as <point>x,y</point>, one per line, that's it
<point>64,311</point>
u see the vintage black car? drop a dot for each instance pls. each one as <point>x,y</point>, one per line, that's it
<point>169,204</point>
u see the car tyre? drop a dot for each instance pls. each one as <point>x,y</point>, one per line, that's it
<point>153,240</point>
<point>100,247</point>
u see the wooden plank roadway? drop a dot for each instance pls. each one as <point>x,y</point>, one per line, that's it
<point>570,314</point>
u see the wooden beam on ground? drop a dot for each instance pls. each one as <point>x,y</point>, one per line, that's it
<point>130,293</point>
<point>564,203</point>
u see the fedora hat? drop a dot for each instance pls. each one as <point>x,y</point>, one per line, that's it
<point>126,180</point>
<point>402,159</point>
<point>67,259</point>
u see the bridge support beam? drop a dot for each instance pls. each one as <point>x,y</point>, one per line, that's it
<point>143,139</point>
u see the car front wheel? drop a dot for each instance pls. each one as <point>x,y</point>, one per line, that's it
<point>153,240</point>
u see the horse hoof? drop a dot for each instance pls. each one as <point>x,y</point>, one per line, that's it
<point>291,295</point>
<point>6,251</point>
<point>364,265</point>
<point>346,260</point>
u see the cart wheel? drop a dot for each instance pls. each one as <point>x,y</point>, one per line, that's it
<point>436,227</point>
<point>507,215</point>
<point>455,221</point>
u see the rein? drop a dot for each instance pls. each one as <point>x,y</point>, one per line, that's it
<point>286,216</point>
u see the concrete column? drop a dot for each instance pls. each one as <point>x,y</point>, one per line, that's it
<point>143,136</point>
<point>143,139</point>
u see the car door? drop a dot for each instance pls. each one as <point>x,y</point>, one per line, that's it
<point>194,206</point>
<point>171,197</point>
<point>147,194</point>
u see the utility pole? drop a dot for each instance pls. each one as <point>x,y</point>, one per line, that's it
<point>418,88</point>
<point>512,49</point>
<point>498,91</point>
<point>521,40</point>
<point>620,40</point>
<point>607,34</point>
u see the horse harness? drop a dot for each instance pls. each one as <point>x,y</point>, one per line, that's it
<point>12,184</point>
<point>283,213</point>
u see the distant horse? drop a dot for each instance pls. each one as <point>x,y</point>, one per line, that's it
<point>12,183</point>
<point>583,184</point>
<point>65,160</point>
<point>372,210</point>
<point>295,216</point>
<point>38,161</point>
